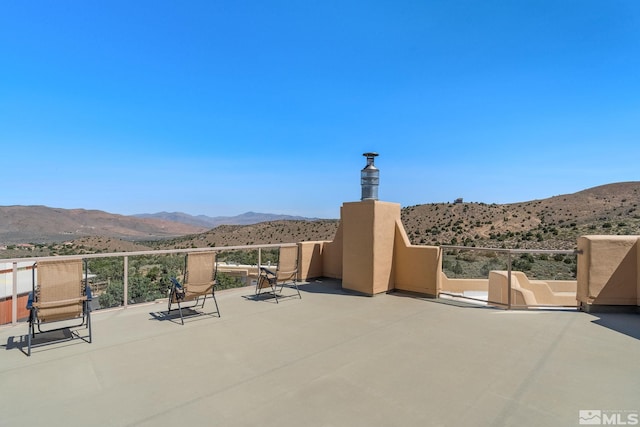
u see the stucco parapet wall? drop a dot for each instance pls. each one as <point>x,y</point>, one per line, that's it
<point>368,245</point>
<point>482,285</point>
<point>416,268</point>
<point>371,253</point>
<point>311,259</point>
<point>608,271</point>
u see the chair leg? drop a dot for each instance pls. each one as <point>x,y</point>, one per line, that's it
<point>180,310</point>
<point>31,331</point>
<point>294,284</point>
<point>213,294</point>
<point>89,322</point>
<point>274,289</point>
<point>297,289</point>
<point>259,285</point>
<point>33,324</point>
<point>171,296</point>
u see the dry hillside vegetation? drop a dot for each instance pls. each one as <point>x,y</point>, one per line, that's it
<point>553,223</point>
<point>256,234</point>
<point>107,244</point>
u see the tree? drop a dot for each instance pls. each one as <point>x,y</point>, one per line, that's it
<point>113,295</point>
<point>457,268</point>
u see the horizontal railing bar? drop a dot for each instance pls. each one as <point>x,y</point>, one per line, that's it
<point>150,252</point>
<point>125,256</point>
<point>509,304</point>
<point>529,251</point>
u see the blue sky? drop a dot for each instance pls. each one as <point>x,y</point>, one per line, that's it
<point>222,107</point>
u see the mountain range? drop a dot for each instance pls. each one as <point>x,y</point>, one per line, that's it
<point>552,223</point>
<point>212,222</point>
<point>42,224</point>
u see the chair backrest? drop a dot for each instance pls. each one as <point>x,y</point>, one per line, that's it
<point>201,268</point>
<point>60,291</point>
<point>287,262</point>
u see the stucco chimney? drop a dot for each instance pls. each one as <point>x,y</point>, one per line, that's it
<point>370,178</point>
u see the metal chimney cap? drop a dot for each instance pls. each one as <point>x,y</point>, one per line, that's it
<point>370,154</point>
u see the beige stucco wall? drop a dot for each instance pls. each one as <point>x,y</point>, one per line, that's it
<point>462,285</point>
<point>499,290</point>
<point>638,274</point>
<point>310,263</point>
<point>608,270</point>
<point>368,244</point>
<point>416,268</point>
<point>563,285</point>
<point>372,254</point>
<point>332,256</point>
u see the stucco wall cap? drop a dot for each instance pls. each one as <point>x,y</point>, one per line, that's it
<point>610,237</point>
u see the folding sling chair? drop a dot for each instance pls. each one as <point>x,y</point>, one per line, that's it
<point>58,294</point>
<point>285,275</point>
<point>199,282</point>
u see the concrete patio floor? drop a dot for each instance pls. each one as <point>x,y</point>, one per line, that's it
<point>331,358</point>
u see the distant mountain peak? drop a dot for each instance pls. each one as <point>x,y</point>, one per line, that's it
<point>20,224</point>
<point>246,218</point>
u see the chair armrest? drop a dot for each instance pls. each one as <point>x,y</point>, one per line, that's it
<point>175,283</point>
<point>267,271</point>
<point>177,292</point>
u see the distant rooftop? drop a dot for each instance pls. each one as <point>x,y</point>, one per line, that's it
<point>332,358</point>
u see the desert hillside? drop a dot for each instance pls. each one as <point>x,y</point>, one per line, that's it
<point>42,224</point>
<point>256,234</point>
<point>552,223</point>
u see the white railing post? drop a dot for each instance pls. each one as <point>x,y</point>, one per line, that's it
<point>14,298</point>
<point>509,280</point>
<point>125,256</point>
<point>125,284</point>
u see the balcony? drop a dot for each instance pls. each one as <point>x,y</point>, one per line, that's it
<point>369,343</point>
<point>333,357</point>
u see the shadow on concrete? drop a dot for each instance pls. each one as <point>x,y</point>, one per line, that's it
<point>270,297</point>
<point>323,286</point>
<point>329,287</point>
<point>315,286</point>
<point>265,297</point>
<point>174,315</point>
<point>625,323</point>
<point>63,335</point>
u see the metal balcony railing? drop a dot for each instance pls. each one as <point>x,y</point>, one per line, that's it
<point>125,256</point>
<point>509,264</point>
